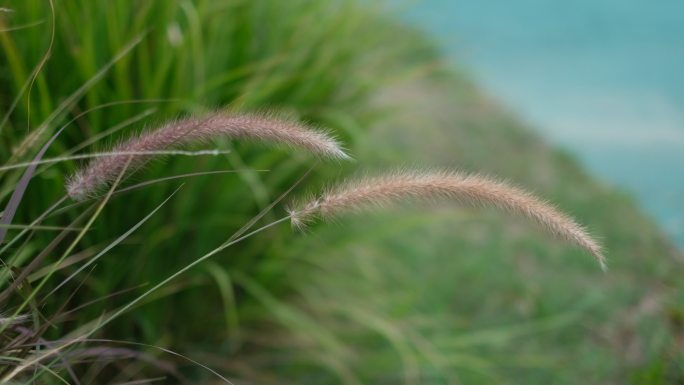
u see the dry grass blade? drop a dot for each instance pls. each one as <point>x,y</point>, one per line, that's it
<point>13,320</point>
<point>473,190</point>
<point>261,127</point>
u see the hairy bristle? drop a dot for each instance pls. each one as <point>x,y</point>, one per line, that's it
<point>473,190</point>
<point>6,321</point>
<point>261,127</point>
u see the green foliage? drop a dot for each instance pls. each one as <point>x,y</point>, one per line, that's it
<point>106,69</point>
<point>316,61</point>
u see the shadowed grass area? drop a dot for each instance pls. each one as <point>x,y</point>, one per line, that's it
<point>416,296</point>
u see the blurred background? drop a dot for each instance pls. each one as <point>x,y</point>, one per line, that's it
<point>600,78</point>
<point>580,102</point>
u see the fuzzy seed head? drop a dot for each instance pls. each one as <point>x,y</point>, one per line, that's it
<point>472,190</point>
<point>99,173</point>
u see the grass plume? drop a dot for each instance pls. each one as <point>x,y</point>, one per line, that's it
<point>260,127</point>
<point>473,190</point>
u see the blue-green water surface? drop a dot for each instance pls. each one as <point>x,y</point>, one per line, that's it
<point>603,78</point>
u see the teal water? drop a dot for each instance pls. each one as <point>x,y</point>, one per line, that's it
<point>603,78</point>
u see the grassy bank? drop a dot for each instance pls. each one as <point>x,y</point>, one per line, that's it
<point>502,305</point>
<point>415,296</point>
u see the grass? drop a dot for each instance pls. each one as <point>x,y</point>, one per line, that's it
<point>503,305</point>
<point>345,303</point>
<point>234,61</point>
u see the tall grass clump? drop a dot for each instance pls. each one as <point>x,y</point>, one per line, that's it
<point>79,73</point>
<point>117,67</point>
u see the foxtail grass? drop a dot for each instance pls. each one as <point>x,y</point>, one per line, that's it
<point>99,173</point>
<point>468,189</point>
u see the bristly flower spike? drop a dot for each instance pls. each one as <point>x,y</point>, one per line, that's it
<point>473,190</point>
<point>260,127</point>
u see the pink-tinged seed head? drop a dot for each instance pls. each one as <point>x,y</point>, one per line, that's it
<point>473,190</point>
<point>99,173</point>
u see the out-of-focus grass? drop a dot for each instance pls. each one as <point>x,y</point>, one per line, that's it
<point>451,294</point>
<point>409,296</point>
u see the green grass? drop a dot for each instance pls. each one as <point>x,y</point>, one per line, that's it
<point>479,298</point>
<point>241,56</point>
<point>411,296</point>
